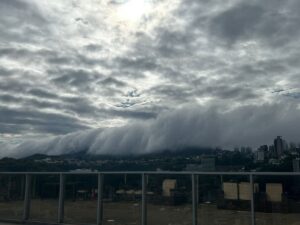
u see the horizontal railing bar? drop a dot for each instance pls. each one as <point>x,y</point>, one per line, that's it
<point>158,173</point>
<point>11,221</point>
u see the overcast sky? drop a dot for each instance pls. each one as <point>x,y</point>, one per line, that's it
<point>140,75</point>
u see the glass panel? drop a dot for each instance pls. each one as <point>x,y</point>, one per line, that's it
<point>81,199</point>
<point>11,196</point>
<point>169,200</point>
<point>278,200</point>
<point>224,200</point>
<point>122,199</point>
<point>44,198</point>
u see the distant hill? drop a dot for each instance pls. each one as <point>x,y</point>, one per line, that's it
<point>83,155</point>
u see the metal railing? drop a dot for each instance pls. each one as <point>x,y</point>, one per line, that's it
<point>143,174</point>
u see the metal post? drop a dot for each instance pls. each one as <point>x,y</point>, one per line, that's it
<point>27,197</point>
<point>9,188</point>
<point>144,199</point>
<point>100,198</point>
<point>61,198</point>
<point>222,180</point>
<point>195,198</point>
<point>22,187</point>
<point>252,200</point>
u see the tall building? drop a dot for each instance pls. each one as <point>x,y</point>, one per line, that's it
<point>264,148</point>
<point>272,153</point>
<point>296,165</point>
<point>260,156</point>
<point>279,146</point>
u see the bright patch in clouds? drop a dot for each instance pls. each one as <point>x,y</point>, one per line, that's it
<point>132,11</point>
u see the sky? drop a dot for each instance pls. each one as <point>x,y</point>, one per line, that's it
<point>136,76</point>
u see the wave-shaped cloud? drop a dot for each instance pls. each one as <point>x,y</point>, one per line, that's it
<point>188,126</point>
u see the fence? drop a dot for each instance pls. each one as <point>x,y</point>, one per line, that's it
<point>194,176</point>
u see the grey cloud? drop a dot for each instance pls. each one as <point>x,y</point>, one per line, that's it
<point>9,98</point>
<point>60,60</point>
<point>174,43</point>
<point>230,92</point>
<point>81,20</point>
<point>126,104</point>
<point>29,11</point>
<point>83,107</point>
<point>74,57</point>
<point>42,93</point>
<point>40,121</point>
<point>93,47</point>
<point>226,52</point>
<point>74,106</point>
<point>77,78</point>
<point>137,64</point>
<point>19,19</point>
<point>13,85</point>
<point>113,81</point>
<point>295,95</point>
<point>274,23</point>
<point>26,55</point>
<point>133,93</point>
<point>237,23</point>
<point>174,92</point>
<point>249,125</point>
<point>133,114</point>
<point>6,72</point>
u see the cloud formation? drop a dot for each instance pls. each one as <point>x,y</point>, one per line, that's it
<point>184,127</point>
<point>102,69</point>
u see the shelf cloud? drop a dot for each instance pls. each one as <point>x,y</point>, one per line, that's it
<point>190,126</point>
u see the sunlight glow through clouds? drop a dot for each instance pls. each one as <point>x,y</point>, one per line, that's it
<point>132,11</point>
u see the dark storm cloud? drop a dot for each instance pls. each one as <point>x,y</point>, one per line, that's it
<point>274,23</point>
<point>74,106</point>
<point>80,107</point>
<point>237,23</point>
<point>41,121</point>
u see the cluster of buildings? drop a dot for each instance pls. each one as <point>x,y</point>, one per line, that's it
<point>275,151</point>
<point>207,164</point>
<point>278,151</point>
